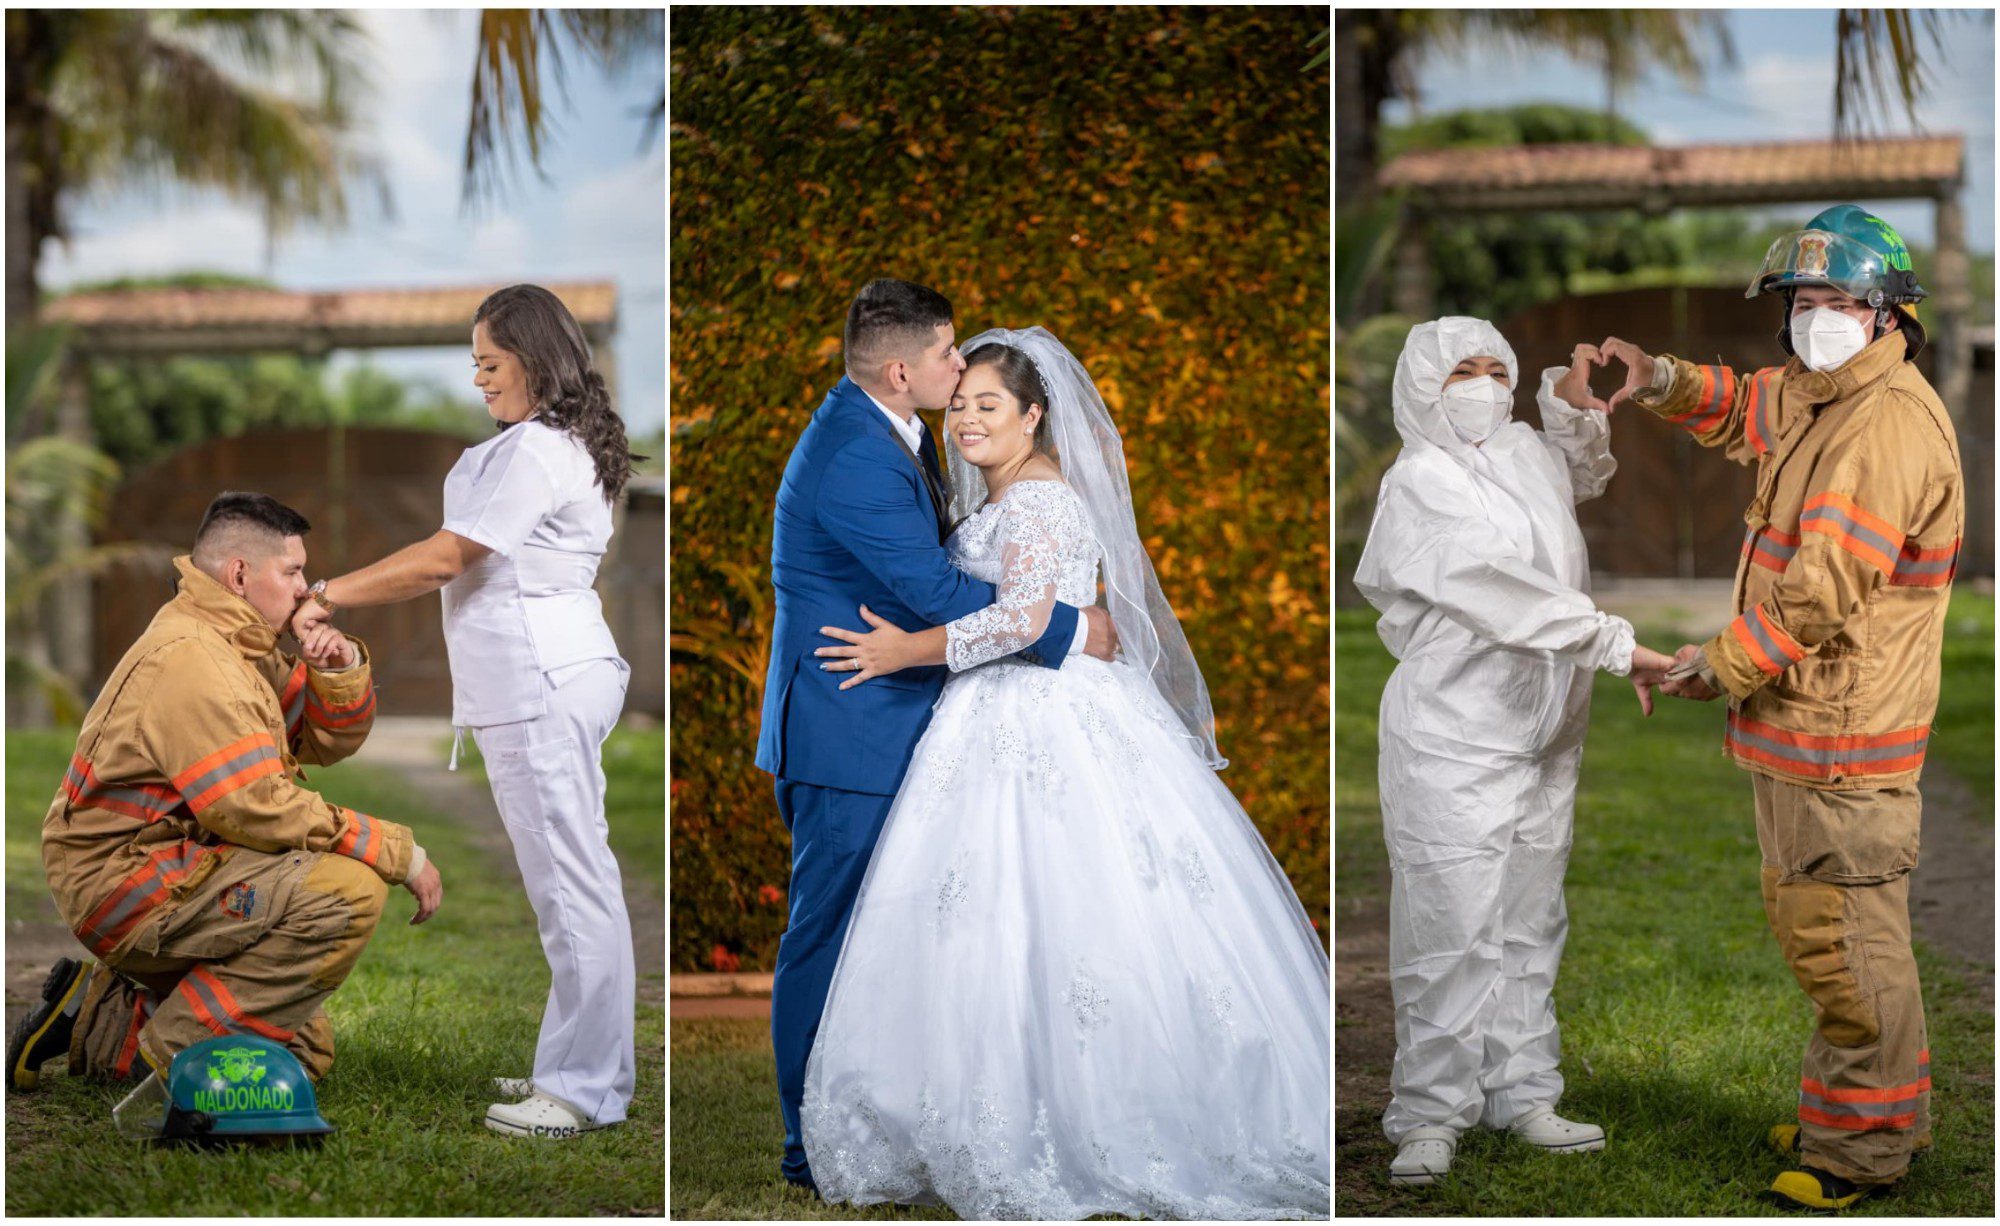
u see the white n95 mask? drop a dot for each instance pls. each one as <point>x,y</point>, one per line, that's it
<point>1476,407</point>
<point>1825,338</point>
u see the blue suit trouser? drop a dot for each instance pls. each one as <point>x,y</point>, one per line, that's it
<point>833,836</point>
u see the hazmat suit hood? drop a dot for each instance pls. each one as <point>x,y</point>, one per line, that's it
<point>1428,357</point>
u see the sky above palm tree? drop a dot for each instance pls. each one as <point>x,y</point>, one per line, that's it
<point>1780,88</point>
<point>600,215</point>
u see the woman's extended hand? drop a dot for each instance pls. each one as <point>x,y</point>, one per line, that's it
<point>308,616</point>
<point>886,649</point>
<point>1649,669</point>
<point>1573,388</point>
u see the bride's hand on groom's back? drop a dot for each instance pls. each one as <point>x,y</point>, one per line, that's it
<point>887,648</point>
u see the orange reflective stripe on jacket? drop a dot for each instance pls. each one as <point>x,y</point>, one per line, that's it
<point>1827,757</point>
<point>147,802</point>
<point>1868,537</point>
<point>361,840</point>
<point>1713,402</point>
<point>1925,567</point>
<point>293,700</point>
<point>1770,648</point>
<point>137,895</point>
<point>215,1007</point>
<point>339,716</point>
<point>1757,409</point>
<point>1770,548</point>
<point>225,770</point>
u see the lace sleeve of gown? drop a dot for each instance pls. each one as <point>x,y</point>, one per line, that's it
<point>1038,520</point>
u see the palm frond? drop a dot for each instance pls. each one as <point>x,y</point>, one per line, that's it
<point>1881,59</point>
<point>520,66</point>
<point>148,103</point>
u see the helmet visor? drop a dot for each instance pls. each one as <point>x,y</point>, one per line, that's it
<point>1819,257</point>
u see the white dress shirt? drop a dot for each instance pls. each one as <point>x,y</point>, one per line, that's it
<point>912,430</point>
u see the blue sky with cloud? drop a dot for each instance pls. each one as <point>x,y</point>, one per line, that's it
<point>600,215</point>
<point>1780,88</point>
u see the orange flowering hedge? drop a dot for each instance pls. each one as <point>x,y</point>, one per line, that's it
<point>1150,185</point>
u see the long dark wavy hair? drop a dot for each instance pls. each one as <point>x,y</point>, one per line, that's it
<point>533,325</point>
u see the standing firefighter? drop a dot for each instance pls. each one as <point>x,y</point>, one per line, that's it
<point>1831,668</point>
<point>219,896</point>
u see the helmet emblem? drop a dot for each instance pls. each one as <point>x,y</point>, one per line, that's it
<point>1812,255</point>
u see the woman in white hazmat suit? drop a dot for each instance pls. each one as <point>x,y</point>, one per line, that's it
<point>1479,569</point>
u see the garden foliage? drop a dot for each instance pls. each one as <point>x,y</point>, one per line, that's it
<point>1151,185</point>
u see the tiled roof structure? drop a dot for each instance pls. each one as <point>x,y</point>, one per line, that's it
<point>1639,176</point>
<point>222,319</point>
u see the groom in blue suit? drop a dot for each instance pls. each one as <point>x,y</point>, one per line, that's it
<point>861,519</point>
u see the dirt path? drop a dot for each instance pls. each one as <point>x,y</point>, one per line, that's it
<point>1951,909</point>
<point>1951,892</point>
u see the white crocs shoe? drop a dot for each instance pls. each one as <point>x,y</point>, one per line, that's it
<point>1424,1157</point>
<point>1545,1129</point>
<point>538,1115</point>
<point>514,1087</point>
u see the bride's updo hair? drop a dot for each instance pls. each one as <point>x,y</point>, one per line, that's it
<point>1023,382</point>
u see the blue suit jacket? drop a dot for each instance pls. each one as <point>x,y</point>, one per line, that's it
<point>856,525</point>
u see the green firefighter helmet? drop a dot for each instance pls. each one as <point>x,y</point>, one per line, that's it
<point>236,1088</point>
<point>1851,250</point>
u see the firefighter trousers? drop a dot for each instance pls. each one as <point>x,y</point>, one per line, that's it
<point>256,949</point>
<point>1836,881</point>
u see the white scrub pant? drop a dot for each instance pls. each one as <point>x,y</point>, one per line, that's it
<point>1478,828</point>
<point>548,782</point>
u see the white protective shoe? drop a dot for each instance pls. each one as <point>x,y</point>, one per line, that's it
<point>540,1116</point>
<point>1424,1157</point>
<point>514,1087</point>
<point>1545,1129</point>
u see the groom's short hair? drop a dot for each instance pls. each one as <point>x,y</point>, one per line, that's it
<point>239,524</point>
<point>891,319</point>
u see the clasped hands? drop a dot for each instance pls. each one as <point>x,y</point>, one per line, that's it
<point>322,646</point>
<point>1574,387</point>
<point>1649,672</point>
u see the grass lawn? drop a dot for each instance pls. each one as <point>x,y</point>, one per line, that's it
<point>1682,1027</point>
<point>428,1017</point>
<point>635,775</point>
<point>728,1137</point>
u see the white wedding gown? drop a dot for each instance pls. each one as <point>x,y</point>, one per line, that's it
<point>1075,982</point>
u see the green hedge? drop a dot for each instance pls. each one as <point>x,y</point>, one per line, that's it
<point>1151,185</point>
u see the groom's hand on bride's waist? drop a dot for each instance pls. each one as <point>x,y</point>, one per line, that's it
<point>1102,643</point>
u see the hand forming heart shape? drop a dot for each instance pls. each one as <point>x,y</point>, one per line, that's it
<point>1574,387</point>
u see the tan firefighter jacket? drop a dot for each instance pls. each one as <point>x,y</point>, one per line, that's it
<point>1851,544</point>
<point>195,741</point>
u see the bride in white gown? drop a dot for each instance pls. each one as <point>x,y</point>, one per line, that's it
<point>1075,981</point>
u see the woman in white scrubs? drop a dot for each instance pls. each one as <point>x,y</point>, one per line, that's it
<point>537,678</point>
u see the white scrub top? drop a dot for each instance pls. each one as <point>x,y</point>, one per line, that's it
<point>529,494</point>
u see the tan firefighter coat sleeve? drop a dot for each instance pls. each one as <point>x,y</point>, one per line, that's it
<point>208,726</point>
<point>327,714</point>
<point>1718,407</point>
<point>1865,500</point>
